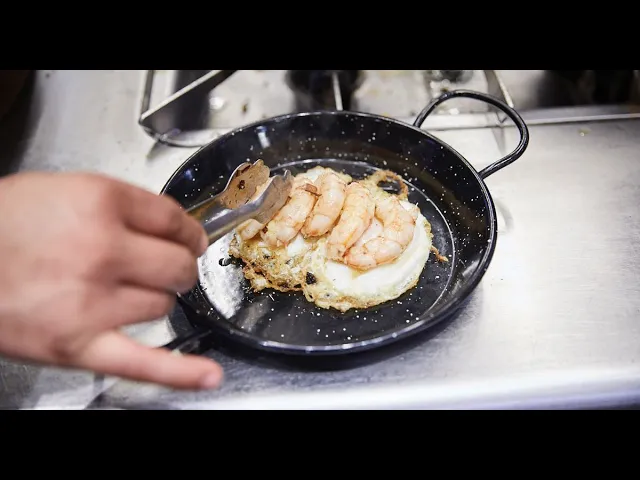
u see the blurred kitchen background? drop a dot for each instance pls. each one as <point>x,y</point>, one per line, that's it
<point>197,112</point>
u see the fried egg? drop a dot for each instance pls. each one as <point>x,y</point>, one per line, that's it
<point>303,266</point>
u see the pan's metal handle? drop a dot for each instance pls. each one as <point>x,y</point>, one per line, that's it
<point>491,100</point>
<point>188,342</point>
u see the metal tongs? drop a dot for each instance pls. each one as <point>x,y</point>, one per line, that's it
<point>222,213</point>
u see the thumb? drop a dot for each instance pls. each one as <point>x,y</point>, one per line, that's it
<point>113,353</point>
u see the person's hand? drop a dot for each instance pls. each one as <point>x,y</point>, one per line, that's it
<point>82,255</point>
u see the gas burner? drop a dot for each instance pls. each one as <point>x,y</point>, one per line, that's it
<point>453,76</point>
<point>324,89</point>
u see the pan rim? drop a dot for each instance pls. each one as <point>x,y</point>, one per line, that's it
<point>387,338</point>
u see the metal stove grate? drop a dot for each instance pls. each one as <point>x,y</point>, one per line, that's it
<point>189,108</point>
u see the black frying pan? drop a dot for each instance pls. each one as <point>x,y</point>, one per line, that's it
<point>449,191</point>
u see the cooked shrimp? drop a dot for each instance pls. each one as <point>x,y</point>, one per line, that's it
<point>286,224</point>
<point>249,229</point>
<point>398,228</point>
<point>357,213</point>
<point>332,190</point>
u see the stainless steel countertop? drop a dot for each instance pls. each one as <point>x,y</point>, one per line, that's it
<point>555,321</point>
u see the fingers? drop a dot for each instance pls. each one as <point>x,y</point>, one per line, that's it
<point>130,304</point>
<point>162,216</point>
<point>157,264</point>
<point>113,353</point>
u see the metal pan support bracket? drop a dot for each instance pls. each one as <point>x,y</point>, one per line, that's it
<point>160,121</point>
<point>337,95</point>
<point>497,88</point>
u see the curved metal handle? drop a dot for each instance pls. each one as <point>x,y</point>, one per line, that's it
<point>187,342</point>
<point>499,104</point>
<point>183,342</point>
